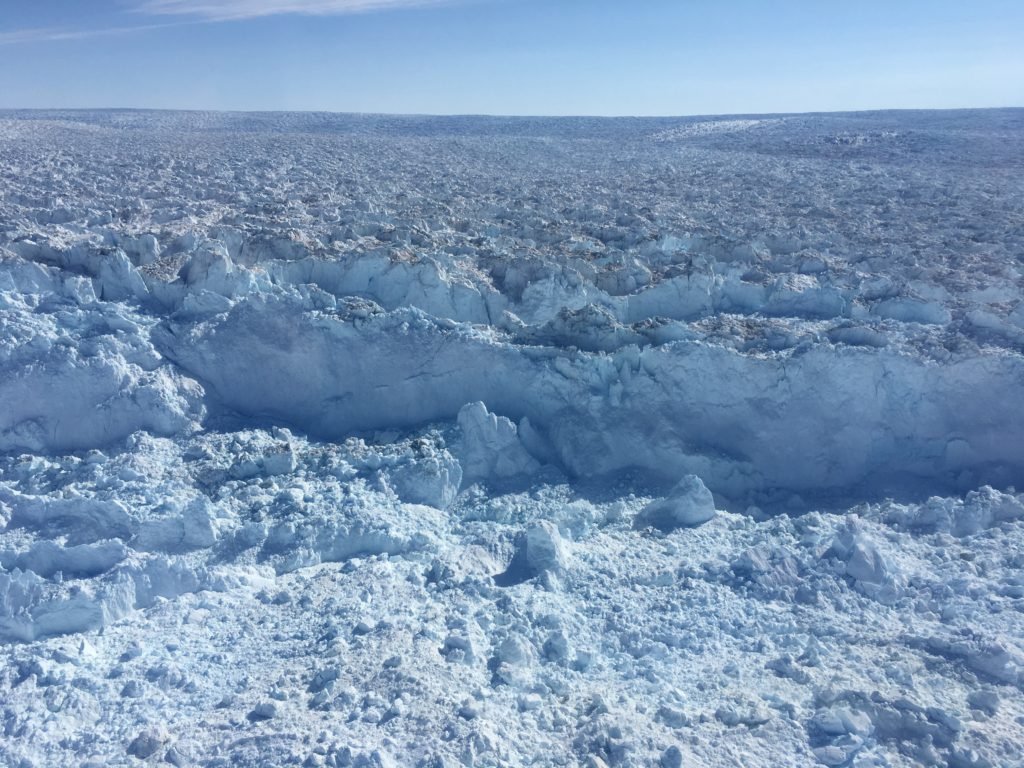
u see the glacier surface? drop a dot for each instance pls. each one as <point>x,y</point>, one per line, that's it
<point>334,440</point>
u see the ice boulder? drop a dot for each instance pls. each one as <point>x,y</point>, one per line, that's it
<point>689,504</point>
<point>280,458</point>
<point>117,279</point>
<point>873,572</point>
<point>985,508</point>
<point>540,550</point>
<point>141,250</point>
<point>912,311</point>
<point>432,479</point>
<point>209,267</point>
<point>491,448</point>
<point>866,564</point>
<point>543,549</point>
<point>185,526</point>
<point>148,743</point>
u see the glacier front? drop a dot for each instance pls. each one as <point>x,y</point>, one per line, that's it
<point>338,440</point>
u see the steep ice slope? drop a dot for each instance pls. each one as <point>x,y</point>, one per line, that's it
<point>822,420</point>
<point>377,424</point>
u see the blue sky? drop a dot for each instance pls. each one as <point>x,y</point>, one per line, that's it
<point>604,57</point>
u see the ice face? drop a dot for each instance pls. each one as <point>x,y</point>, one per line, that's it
<point>400,440</point>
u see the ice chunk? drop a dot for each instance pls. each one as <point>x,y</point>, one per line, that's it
<point>689,503</point>
<point>46,558</point>
<point>912,311</point>
<point>187,527</point>
<point>543,548</point>
<point>540,550</point>
<point>672,758</point>
<point>865,564</point>
<point>491,446</point>
<point>433,480</point>
<point>147,743</point>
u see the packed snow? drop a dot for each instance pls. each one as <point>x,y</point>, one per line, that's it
<point>347,440</point>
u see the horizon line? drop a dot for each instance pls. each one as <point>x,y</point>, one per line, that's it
<point>510,115</point>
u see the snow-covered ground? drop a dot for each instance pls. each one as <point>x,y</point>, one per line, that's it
<point>335,440</point>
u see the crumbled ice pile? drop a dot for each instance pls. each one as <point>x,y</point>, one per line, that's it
<point>371,441</point>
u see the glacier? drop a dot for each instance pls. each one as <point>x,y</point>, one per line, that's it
<point>333,440</point>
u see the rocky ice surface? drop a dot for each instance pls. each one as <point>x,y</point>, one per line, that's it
<point>338,440</point>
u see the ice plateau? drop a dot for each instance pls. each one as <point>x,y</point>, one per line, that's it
<point>354,440</point>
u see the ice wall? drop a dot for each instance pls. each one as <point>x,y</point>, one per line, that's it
<point>831,419</point>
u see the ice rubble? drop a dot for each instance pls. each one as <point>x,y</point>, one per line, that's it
<point>406,436</point>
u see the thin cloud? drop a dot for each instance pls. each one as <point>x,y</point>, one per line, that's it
<point>211,11</point>
<point>229,10</point>
<point>54,34</point>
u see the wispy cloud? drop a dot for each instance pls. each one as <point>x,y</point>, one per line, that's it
<point>54,34</point>
<point>227,10</point>
<point>199,11</point>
